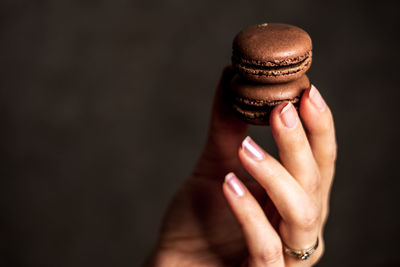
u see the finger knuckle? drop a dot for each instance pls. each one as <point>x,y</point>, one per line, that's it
<point>309,221</point>
<point>314,183</point>
<point>325,127</point>
<point>327,156</point>
<point>297,144</point>
<point>332,154</point>
<point>326,123</point>
<point>251,217</point>
<point>270,255</point>
<point>297,148</point>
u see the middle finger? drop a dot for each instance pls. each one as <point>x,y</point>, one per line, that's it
<point>294,149</point>
<point>300,213</point>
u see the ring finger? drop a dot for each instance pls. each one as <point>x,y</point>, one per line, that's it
<point>300,213</point>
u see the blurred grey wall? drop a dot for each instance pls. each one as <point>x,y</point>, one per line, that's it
<point>104,108</point>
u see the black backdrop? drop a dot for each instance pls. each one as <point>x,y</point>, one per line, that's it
<point>104,108</point>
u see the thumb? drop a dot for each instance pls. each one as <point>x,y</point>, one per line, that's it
<point>226,132</point>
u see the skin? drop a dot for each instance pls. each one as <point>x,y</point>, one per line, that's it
<point>286,202</point>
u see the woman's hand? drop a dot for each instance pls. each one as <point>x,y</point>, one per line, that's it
<point>250,222</point>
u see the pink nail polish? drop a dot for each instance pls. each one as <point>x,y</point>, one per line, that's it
<point>289,116</point>
<point>252,149</point>
<point>316,98</point>
<point>234,184</point>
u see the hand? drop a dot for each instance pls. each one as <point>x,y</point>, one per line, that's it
<point>249,222</point>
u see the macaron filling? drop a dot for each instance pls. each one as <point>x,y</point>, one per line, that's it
<point>258,109</point>
<point>272,68</point>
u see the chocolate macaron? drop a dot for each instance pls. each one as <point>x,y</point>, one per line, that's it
<point>253,102</point>
<point>272,53</point>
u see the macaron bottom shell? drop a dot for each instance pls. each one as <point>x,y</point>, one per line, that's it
<point>259,115</point>
<point>253,102</point>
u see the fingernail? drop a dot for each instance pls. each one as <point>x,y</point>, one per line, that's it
<point>289,115</point>
<point>252,149</point>
<point>316,98</point>
<point>234,184</point>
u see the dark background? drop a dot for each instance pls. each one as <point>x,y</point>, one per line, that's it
<point>104,109</point>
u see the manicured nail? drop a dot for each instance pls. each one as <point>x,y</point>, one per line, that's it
<point>234,184</point>
<point>252,149</point>
<point>316,98</point>
<point>289,115</point>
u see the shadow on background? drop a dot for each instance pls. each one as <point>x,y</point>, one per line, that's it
<point>104,108</point>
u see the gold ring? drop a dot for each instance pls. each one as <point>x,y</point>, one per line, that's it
<point>301,254</point>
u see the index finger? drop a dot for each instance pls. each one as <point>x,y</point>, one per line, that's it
<point>225,133</point>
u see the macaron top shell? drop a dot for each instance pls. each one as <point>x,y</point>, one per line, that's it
<point>272,44</point>
<point>272,52</point>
